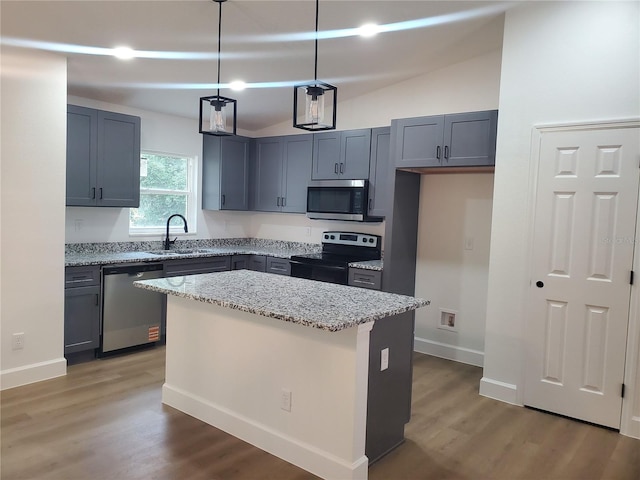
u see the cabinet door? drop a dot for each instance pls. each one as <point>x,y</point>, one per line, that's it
<point>258,263</point>
<point>82,131</point>
<point>298,156</point>
<point>326,156</point>
<point>118,177</point>
<point>470,139</point>
<point>418,141</point>
<point>81,319</point>
<point>268,162</point>
<point>355,150</point>
<point>194,266</point>
<point>234,181</point>
<point>240,262</point>
<point>379,171</point>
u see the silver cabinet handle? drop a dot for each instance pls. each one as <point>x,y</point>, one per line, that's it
<point>335,168</point>
<point>438,152</point>
<point>284,201</point>
<point>341,167</point>
<point>277,201</point>
<point>446,152</point>
<point>223,199</point>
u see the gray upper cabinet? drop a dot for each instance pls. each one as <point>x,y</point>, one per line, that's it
<point>341,155</point>
<point>470,139</point>
<point>103,158</point>
<point>379,171</point>
<point>225,172</point>
<point>283,171</point>
<point>457,140</point>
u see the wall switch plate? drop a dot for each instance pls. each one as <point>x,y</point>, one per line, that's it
<point>285,400</point>
<point>17,341</point>
<point>384,359</point>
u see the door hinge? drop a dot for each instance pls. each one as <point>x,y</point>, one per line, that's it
<point>631,278</point>
<point>622,391</point>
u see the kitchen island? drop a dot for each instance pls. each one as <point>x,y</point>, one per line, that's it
<point>285,364</point>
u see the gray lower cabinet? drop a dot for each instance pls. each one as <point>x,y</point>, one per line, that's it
<point>341,155</point>
<point>456,140</point>
<point>103,158</point>
<point>194,266</point>
<point>258,263</point>
<point>360,277</point>
<point>225,172</point>
<point>379,171</point>
<point>279,266</point>
<point>283,171</point>
<point>81,309</point>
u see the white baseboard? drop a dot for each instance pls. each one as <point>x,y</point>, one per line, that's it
<point>505,392</point>
<point>36,372</point>
<point>303,455</point>
<point>450,352</point>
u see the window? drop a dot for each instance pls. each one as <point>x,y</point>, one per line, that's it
<point>167,186</point>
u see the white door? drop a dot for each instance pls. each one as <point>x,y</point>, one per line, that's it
<point>585,218</point>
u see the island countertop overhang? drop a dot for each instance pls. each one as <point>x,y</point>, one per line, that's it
<point>322,305</point>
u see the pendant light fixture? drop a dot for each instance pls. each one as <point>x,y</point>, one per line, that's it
<point>218,114</point>
<point>314,104</point>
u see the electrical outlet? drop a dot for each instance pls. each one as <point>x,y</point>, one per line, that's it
<point>384,359</point>
<point>308,231</point>
<point>285,400</point>
<point>17,341</point>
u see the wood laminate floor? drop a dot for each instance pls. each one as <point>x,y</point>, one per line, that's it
<point>105,420</point>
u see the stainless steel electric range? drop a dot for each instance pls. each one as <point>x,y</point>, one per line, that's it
<point>338,250</point>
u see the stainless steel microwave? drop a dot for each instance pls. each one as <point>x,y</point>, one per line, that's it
<point>339,200</point>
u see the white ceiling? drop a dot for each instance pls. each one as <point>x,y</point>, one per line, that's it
<point>354,64</point>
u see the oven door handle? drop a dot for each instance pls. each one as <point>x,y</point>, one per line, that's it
<point>315,265</point>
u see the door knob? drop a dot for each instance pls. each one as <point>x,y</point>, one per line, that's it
<point>539,284</point>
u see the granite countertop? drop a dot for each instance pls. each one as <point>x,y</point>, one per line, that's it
<point>322,305</point>
<point>368,265</point>
<point>136,252</point>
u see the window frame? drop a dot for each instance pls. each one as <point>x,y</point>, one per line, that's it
<point>176,228</point>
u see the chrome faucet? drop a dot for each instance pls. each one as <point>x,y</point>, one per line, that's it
<point>167,242</point>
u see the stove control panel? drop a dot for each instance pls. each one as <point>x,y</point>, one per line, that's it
<point>351,238</point>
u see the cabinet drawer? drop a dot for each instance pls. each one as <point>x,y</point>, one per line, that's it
<point>81,276</point>
<point>258,263</point>
<point>280,266</point>
<point>193,266</point>
<point>359,277</point>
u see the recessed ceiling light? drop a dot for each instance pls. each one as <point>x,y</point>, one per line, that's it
<point>124,53</point>
<point>237,85</point>
<point>369,30</point>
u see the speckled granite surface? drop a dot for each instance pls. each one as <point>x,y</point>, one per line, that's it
<point>321,305</point>
<point>106,253</point>
<point>368,265</point>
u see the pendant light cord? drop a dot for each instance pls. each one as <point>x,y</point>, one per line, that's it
<point>315,72</point>
<point>219,34</point>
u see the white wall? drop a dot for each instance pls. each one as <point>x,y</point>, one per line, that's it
<point>32,192</point>
<point>454,209</point>
<point>562,62</point>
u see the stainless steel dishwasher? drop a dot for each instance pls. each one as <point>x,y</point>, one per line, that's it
<point>130,316</point>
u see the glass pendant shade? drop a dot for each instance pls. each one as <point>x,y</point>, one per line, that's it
<point>217,115</point>
<point>314,106</point>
